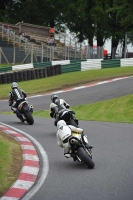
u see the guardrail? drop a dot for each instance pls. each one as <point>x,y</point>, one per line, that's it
<point>45,69</point>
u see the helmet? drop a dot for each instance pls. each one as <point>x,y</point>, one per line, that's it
<point>53,97</point>
<point>14,85</point>
<point>61,123</point>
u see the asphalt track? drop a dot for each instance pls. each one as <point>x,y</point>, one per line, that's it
<point>112,177</point>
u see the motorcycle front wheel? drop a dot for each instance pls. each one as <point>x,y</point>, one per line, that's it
<point>85,158</point>
<point>29,118</point>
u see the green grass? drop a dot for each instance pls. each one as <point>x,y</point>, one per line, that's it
<point>10,161</point>
<point>45,85</point>
<point>114,110</point>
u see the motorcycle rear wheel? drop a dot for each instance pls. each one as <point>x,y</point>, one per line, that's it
<point>29,118</point>
<point>85,158</point>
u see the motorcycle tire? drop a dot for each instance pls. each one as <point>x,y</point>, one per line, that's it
<point>85,158</point>
<point>29,118</point>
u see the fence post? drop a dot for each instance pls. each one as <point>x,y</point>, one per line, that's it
<point>68,52</point>
<point>52,53</point>
<point>32,53</point>
<point>3,55</point>
<point>42,54</point>
<point>14,54</point>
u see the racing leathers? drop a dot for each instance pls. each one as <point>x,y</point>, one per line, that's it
<point>56,107</point>
<point>63,134</point>
<point>14,95</point>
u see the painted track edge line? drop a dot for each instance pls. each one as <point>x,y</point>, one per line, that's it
<point>82,86</point>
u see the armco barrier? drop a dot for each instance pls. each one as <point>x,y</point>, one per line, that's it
<point>5,69</point>
<point>61,62</point>
<point>43,64</point>
<point>73,67</point>
<point>75,61</point>
<point>127,62</point>
<point>110,63</point>
<point>91,64</point>
<point>22,67</point>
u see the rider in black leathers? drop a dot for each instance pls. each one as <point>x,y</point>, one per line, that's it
<point>14,95</point>
<point>58,105</point>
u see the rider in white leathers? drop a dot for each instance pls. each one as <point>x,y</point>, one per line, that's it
<point>63,133</point>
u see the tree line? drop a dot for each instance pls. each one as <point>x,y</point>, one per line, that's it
<point>86,18</point>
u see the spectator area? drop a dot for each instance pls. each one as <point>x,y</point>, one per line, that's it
<point>34,33</point>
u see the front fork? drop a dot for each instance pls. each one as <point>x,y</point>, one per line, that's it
<point>85,141</point>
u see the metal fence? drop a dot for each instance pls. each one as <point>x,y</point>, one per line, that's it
<point>13,51</point>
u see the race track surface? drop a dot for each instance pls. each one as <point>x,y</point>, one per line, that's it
<point>112,177</point>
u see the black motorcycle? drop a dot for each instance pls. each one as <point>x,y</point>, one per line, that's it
<point>80,151</point>
<point>63,113</point>
<point>68,116</point>
<point>24,111</point>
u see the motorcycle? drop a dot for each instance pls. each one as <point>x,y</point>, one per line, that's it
<point>63,113</point>
<point>79,150</point>
<point>24,111</point>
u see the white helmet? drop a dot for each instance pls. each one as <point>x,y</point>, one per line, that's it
<point>14,85</point>
<point>61,123</point>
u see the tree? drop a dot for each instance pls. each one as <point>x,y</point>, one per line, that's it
<point>4,7</point>
<point>36,12</point>
<point>117,28</point>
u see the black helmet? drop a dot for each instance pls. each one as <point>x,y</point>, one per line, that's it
<point>53,97</point>
<point>14,85</point>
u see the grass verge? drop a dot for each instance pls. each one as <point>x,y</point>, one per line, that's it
<point>44,85</point>
<point>114,110</point>
<point>10,161</point>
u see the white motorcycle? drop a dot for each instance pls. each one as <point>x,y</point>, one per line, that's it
<point>80,151</point>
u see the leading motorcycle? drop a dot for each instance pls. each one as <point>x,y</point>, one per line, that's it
<point>79,150</point>
<point>24,111</point>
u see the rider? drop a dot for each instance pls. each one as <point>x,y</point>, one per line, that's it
<point>14,95</point>
<point>56,106</point>
<point>63,133</point>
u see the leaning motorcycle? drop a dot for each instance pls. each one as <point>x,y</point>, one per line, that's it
<point>63,113</point>
<point>79,151</point>
<point>24,111</point>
